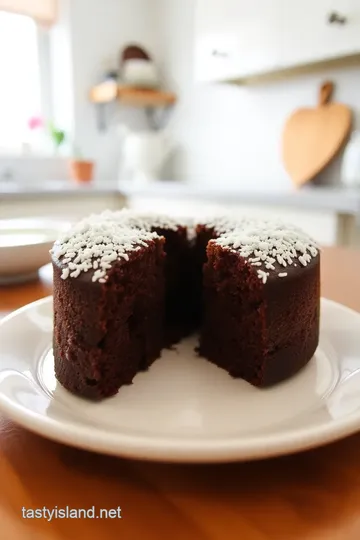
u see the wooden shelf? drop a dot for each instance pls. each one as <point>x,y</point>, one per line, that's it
<point>135,97</point>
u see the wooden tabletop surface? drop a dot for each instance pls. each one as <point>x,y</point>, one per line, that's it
<point>313,495</point>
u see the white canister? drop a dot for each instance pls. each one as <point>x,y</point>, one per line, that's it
<point>143,154</point>
<point>140,73</point>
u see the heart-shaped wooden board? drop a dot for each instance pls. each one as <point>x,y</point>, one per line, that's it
<point>313,136</point>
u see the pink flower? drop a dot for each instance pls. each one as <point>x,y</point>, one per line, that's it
<point>35,122</point>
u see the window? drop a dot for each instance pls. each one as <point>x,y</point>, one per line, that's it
<point>23,78</point>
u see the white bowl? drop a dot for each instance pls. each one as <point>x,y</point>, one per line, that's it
<point>25,245</point>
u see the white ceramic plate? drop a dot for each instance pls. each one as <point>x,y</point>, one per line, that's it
<point>184,408</point>
<point>24,247</point>
<point>46,274</point>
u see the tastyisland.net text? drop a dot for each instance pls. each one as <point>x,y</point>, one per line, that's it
<point>68,512</point>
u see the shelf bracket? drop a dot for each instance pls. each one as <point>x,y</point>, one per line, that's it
<point>157,117</point>
<point>101,116</point>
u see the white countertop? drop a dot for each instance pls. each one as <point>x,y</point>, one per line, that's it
<point>334,199</point>
<point>54,187</point>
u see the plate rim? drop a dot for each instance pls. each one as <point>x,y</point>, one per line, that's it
<point>167,449</point>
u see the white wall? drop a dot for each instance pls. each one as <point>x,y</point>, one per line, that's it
<point>230,133</point>
<point>100,29</point>
<point>223,133</point>
<point>87,42</point>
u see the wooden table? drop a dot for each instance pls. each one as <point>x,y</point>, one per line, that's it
<point>314,495</point>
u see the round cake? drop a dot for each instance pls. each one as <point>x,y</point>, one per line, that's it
<point>127,285</point>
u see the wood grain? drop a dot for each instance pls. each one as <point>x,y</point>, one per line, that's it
<point>314,495</point>
<point>314,136</point>
<point>135,97</point>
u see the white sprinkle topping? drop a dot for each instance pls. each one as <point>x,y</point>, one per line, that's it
<point>95,244</point>
<point>101,239</point>
<point>225,223</point>
<point>65,273</point>
<point>263,275</point>
<point>269,243</point>
<point>146,221</point>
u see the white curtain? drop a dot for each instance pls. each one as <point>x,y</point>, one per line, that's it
<point>43,11</point>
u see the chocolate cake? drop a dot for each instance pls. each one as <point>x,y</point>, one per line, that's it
<point>179,320</point>
<point>109,302</point>
<point>261,302</point>
<point>209,229</point>
<point>126,285</point>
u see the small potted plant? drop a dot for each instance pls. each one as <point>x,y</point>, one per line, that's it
<point>81,170</point>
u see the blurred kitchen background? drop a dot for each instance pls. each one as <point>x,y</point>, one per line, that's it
<point>187,106</point>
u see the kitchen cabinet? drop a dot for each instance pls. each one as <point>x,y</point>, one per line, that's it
<point>322,226</point>
<point>238,39</point>
<point>307,35</point>
<point>233,40</point>
<point>330,215</point>
<point>71,205</point>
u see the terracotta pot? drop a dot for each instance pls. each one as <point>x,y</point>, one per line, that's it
<point>81,171</point>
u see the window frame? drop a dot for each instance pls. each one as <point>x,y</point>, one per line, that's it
<point>43,45</point>
<point>18,167</point>
<point>44,52</point>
